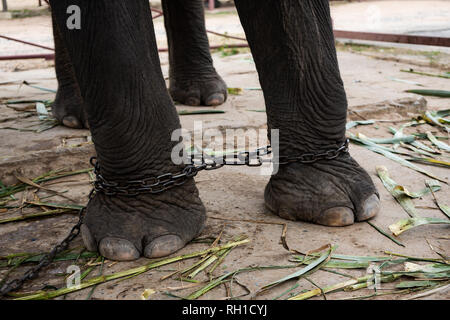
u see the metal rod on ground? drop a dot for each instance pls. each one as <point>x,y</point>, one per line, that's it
<point>51,56</point>
<point>26,42</point>
<point>225,35</point>
<point>393,38</point>
<point>48,56</point>
<point>396,38</point>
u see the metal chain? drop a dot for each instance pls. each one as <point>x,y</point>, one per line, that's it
<point>307,158</point>
<point>32,273</point>
<point>199,162</point>
<point>158,184</point>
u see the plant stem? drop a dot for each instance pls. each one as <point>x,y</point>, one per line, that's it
<point>130,272</point>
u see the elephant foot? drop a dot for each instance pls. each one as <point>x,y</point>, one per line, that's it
<point>125,228</point>
<point>206,89</point>
<point>334,192</point>
<point>68,109</point>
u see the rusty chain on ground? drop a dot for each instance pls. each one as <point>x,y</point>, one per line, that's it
<point>32,273</point>
<point>161,183</point>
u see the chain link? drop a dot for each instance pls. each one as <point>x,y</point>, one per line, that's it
<point>307,158</point>
<point>161,183</point>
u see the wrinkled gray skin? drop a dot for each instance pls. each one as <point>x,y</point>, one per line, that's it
<point>110,80</point>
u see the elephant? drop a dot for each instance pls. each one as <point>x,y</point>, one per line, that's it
<point>110,81</point>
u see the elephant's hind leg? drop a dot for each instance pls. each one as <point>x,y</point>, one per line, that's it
<point>68,105</point>
<point>193,79</point>
<point>131,118</point>
<point>293,47</point>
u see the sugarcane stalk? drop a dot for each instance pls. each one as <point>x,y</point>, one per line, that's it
<point>36,215</point>
<point>130,272</point>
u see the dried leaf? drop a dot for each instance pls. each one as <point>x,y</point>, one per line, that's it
<point>405,224</point>
<point>397,191</point>
<point>441,145</point>
<point>145,295</point>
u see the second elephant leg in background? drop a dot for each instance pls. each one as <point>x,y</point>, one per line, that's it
<point>193,79</point>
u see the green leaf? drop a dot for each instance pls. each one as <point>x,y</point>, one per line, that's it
<point>416,150</point>
<point>434,93</point>
<point>364,141</point>
<point>442,113</point>
<point>352,124</point>
<point>415,284</point>
<point>428,268</point>
<point>315,265</point>
<point>208,287</point>
<point>334,263</point>
<point>235,91</point>
<point>403,162</point>
<point>441,145</point>
<point>385,234</point>
<point>406,81</point>
<point>256,110</point>
<point>432,162</point>
<point>39,88</point>
<point>46,102</point>
<point>395,140</point>
<point>444,75</point>
<point>443,207</point>
<point>57,205</point>
<point>300,258</point>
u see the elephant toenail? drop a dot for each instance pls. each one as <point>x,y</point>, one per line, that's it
<point>192,101</point>
<point>371,208</point>
<point>337,217</point>
<point>163,246</point>
<point>88,239</point>
<point>118,249</point>
<point>215,99</point>
<point>71,122</point>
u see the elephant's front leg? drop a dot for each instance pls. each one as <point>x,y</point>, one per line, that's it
<point>293,46</point>
<point>193,79</point>
<point>131,118</point>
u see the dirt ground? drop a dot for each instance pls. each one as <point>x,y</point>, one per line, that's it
<point>233,196</point>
